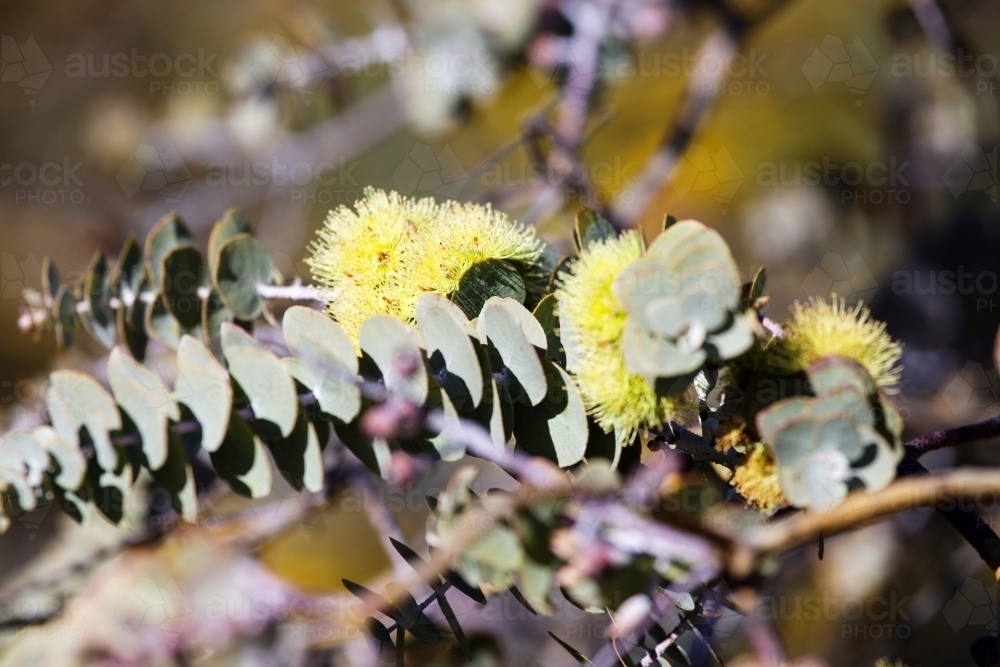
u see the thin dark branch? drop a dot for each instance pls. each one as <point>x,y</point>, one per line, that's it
<point>976,531</point>
<point>984,430</point>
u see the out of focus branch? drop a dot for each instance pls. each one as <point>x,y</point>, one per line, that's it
<point>859,509</point>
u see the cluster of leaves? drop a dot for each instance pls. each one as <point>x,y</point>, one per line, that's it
<point>683,303</point>
<point>165,289</point>
<point>233,396</point>
<point>519,554</point>
<point>841,436</point>
<point>687,321</point>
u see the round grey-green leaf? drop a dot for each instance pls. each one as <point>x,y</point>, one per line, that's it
<point>243,264</point>
<point>500,324</point>
<point>167,233</point>
<point>203,386</point>
<point>75,399</point>
<point>181,277</point>
<point>485,279</point>
<point>323,360</point>
<point>262,376</point>
<point>233,222</point>
<point>386,339</point>
<point>446,330</point>
<point>146,400</point>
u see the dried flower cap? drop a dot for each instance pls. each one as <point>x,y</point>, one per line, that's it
<point>821,329</point>
<point>381,256</point>
<point>592,321</point>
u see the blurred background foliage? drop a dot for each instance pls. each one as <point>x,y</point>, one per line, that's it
<point>276,86</point>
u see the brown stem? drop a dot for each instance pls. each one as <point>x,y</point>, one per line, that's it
<point>984,430</point>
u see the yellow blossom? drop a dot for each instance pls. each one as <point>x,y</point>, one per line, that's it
<point>592,322</point>
<point>756,479</point>
<point>384,254</point>
<point>821,329</point>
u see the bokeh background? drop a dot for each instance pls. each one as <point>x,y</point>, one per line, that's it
<point>850,147</point>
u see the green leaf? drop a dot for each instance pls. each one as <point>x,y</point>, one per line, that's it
<point>213,314</point>
<point>176,477</point>
<point>682,601</point>
<point>203,386</point>
<point>579,657</point>
<point>97,319</point>
<point>233,222</point>
<point>163,326</point>
<point>757,286</point>
<point>167,233</point>
<point>474,593</point>
<point>75,399</point>
<point>484,280</point>
<point>545,313</point>
<point>262,376</point>
<point>50,280</point>
<point>384,648</point>
<point>523,602</point>
<point>653,356</point>
<point>501,324</point>
<point>437,399</point>
<point>409,615</point>
<point>370,598</point>
<point>388,342</point>
<point>243,264</point>
<point>498,549</point>
<point>833,373</point>
<point>298,457</point>
<point>732,342</point>
<point>181,276</point>
<point>64,315</point>
<point>456,627</point>
<point>557,427</point>
<point>109,489</point>
<point>69,458</point>
<point>537,580</point>
<point>372,453</point>
<point>241,460</point>
<point>591,227</point>
<point>146,400</point>
<point>133,337</point>
<point>130,272</point>
<point>324,361</point>
<point>447,331</point>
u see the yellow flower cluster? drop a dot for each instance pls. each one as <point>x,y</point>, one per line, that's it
<point>592,322</point>
<point>756,478</point>
<point>384,254</point>
<point>821,329</point>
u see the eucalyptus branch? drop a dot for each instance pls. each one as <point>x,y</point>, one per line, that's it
<point>296,291</point>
